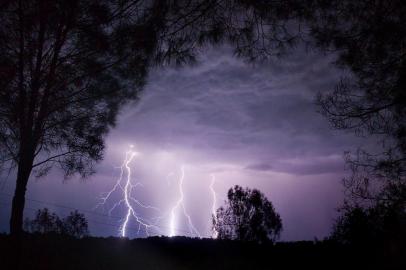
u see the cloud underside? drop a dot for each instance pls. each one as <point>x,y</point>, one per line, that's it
<point>261,117</point>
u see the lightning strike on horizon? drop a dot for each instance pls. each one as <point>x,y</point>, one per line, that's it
<point>126,189</point>
<point>214,203</point>
<point>178,204</point>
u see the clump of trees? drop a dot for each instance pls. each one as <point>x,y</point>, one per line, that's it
<point>247,216</point>
<point>75,224</point>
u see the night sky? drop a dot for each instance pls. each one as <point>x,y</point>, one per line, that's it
<point>252,125</point>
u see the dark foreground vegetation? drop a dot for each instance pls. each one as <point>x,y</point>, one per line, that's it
<point>51,251</point>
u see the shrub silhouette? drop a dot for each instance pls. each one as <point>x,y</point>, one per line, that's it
<point>378,229</point>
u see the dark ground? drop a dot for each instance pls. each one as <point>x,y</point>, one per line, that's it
<point>58,252</point>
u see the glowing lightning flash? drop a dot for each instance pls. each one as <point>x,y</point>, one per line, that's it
<point>213,207</point>
<point>127,188</point>
<point>178,204</point>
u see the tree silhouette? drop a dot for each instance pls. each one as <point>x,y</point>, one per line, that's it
<point>75,224</point>
<point>248,216</point>
<point>44,222</point>
<point>65,72</point>
<point>369,39</point>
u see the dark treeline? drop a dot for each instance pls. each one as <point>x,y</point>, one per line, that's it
<point>74,225</point>
<point>56,252</point>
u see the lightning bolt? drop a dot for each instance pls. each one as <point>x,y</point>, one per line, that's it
<point>180,204</point>
<point>214,203</point>
<point>126,187</point>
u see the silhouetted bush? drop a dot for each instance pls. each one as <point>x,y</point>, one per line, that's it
<point>378,230</point>
<point>75,225</point>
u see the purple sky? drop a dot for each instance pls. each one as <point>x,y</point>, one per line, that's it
<point>252,125</point>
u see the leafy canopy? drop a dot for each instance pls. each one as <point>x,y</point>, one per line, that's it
<point>247,216</point>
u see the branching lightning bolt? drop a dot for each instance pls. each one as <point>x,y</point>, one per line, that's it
<point>179,204</point>
<point>128,200</point>
<point>214,203</point>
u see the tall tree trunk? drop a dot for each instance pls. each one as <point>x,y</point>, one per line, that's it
<point>17,208</point>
